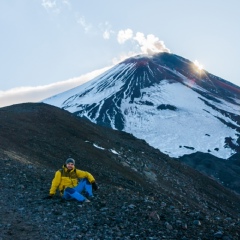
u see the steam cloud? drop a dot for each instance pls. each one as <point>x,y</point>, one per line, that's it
<point>148,45</point>
<point>124,35</point>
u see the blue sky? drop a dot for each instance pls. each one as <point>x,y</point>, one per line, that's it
<point>49,45</point>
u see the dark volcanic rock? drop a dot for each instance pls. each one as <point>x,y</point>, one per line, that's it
<point>143,194</point>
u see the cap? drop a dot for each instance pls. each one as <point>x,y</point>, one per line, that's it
<point>70,160</point>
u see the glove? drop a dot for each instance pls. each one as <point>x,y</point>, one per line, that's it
<point>94,186</point>
<point>50,196</point>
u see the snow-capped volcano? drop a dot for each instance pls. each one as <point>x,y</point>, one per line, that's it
<point>165,100</point>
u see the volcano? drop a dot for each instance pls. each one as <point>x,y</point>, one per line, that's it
<point>165,100</point>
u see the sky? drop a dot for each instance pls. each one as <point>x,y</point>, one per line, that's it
<point>49,46</point>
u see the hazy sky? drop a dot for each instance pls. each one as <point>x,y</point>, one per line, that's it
<point>47,43</point>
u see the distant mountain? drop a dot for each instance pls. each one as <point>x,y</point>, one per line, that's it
<point>165,100</point>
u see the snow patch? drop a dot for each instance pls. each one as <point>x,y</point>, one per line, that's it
<point>96,146</point>
<point>113,151</point>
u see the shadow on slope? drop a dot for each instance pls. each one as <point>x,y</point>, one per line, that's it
<point>226,172</point>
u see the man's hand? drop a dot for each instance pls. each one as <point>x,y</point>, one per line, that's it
<point>94,186</point>
<point>50,196</point>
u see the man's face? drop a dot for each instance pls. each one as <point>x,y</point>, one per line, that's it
<point>70,166</point>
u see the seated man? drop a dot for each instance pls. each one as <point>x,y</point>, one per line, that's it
<point>66,181</point>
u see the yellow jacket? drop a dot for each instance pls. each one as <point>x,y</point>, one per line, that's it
<point>64,178</point>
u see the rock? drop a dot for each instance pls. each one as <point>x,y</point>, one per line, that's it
<point>168,226</point>
<point>163,204</point>
<point>184,226</point>
<point>197,222</point>
<point>132,206</point>
<point>218,235</point>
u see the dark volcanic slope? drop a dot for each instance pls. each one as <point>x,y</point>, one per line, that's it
<point>143,194</point>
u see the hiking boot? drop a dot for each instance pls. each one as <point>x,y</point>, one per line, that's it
<point>90,198</point>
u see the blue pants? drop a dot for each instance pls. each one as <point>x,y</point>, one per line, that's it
<point>75,193</point>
